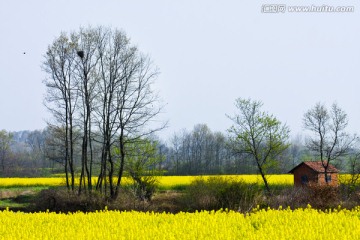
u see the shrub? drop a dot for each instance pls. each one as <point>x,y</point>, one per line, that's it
<point>144,187</point>
<point>221,192</point>
<point>59,200</point>
<point>318,196</point>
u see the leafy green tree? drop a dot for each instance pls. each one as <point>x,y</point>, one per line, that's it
<point>258,134</point>
<point>143,166</point>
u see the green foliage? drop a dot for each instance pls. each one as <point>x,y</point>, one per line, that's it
<point>222,193</point>
<point>351,181</point>
<point>258,134</point>
<point>143,164</point>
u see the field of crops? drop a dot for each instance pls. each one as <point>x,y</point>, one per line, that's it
<point>259,224</point>
<point>173,181</point>
<point>164,181</point>
<point>262,224</point>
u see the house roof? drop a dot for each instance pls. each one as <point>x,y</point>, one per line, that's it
<point>316,166</point>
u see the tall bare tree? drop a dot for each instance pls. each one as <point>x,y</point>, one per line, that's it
<point>110,82</point>
<point>329,140</point>
<point>61,96</point>
<point>258,135</point>
<point>86,41</point>
<point>137,104</point>
<point>114,54</point>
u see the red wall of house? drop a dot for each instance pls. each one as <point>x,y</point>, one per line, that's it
<point>334,179</point>
<point>304,170</point>
<point>313,177</point>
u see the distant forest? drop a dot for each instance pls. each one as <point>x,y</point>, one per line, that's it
<point>198,151</point>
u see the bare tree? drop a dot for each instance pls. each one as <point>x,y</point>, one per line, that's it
<point>137,105</point>
<point>258,135</point>
<point>219,151</point>
<point>175,152</point>
<point>200,151</point>
<point>87,41</point>
<point>104,84</point>
<point>114,56</point>
<point>329,140</point>
<point>61,96</point>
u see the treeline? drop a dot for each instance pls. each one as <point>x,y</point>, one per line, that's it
<point>188,152</point>
<point>202,151</point>
<point>24,154</point>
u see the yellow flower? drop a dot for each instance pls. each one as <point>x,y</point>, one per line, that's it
<point>263,224</point>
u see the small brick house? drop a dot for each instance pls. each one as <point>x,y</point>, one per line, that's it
<point>314,173</point>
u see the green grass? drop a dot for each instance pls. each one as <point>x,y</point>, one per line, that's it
<point>178,187</point>
<point>9,203</point>
<point>18,197</point>
<point>20,201</point>
<point>23,188</point>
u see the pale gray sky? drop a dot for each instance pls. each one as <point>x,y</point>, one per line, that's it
<point>209,53</point>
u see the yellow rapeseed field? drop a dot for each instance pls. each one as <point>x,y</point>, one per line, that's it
<point>24,182</point>
<point>261,224</point>
<point>164,181</point>
<point>45,182</point>
<point>286,179</point>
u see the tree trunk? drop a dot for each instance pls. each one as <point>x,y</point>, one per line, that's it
<point>122,164</point>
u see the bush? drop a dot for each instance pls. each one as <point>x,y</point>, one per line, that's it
<point>318,196</point>
<point>221,193</point>
<point>144,187</point>
<point>58,200</point>
<point>61,200</point>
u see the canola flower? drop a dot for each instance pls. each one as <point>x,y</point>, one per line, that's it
<point>29,182</point>
<point>260,224</point>
<point>169,182</point>
<point>43,182</point>
<point>165,182</point>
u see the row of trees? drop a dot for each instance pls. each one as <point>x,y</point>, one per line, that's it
<point>23,154</point>
<point>264,138</point>
<point>99,92</point>
<point>259,143</point>
<point>256,143</point>
<point>198,152</point>
<point>201,151</point>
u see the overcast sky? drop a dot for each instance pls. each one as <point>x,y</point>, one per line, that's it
<point>209,53</point>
